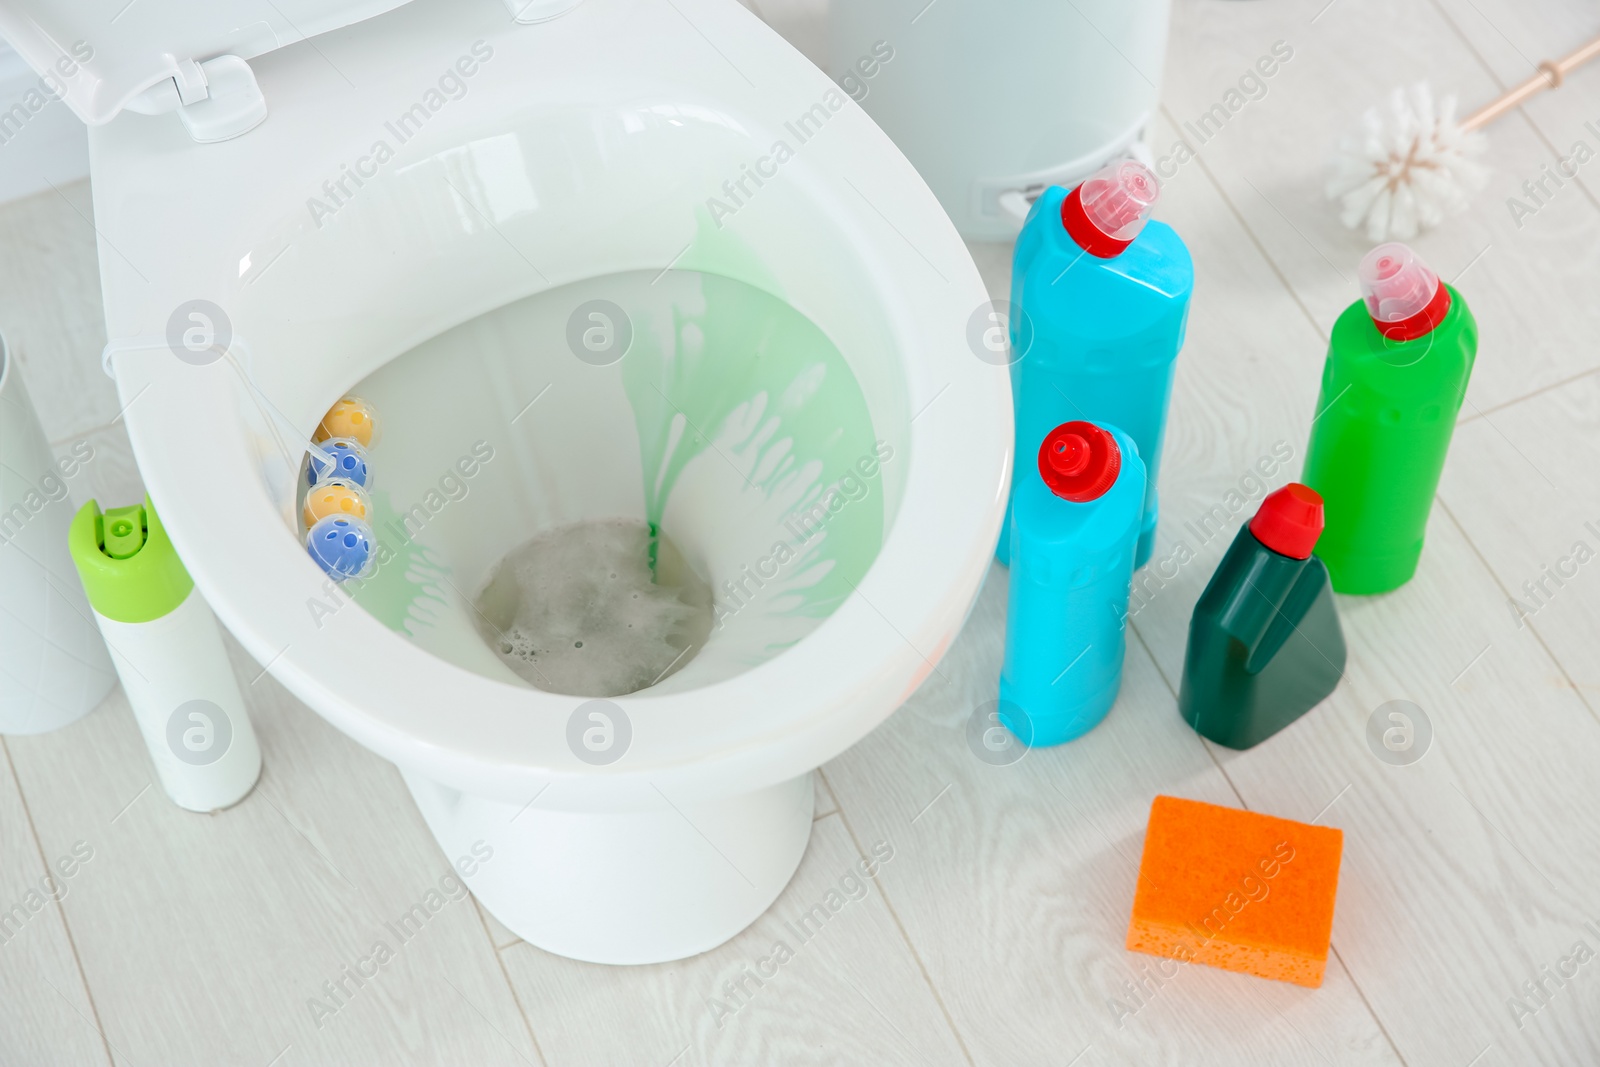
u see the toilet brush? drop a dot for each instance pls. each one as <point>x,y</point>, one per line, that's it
<point>1405,171</point>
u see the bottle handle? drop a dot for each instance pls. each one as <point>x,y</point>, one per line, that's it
<point>1294,605</point>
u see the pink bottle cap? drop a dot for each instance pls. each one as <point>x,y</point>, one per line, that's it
<point>1403,296</point>
<point>1108,210</point>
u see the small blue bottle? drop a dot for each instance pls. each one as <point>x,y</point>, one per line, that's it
<point>1106,297</point>
<point>1074,527</point>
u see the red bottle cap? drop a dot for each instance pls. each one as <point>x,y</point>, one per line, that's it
<point>1079,461</point>
<point>1106,212</point>
<point>1289,521</point>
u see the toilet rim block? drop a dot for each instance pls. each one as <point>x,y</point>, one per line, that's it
<point>349,459</point>
<point>335,496</point>
<point>352,418</point>
<point>343,546</point>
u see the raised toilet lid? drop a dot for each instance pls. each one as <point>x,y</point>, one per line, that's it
<point>99,55</point>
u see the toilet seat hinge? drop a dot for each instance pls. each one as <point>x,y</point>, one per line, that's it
<point>216,99</point>
<point>190,81</point>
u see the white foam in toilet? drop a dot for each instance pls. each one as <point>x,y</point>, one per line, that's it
<point>817,330</point>
<point>601,608</point>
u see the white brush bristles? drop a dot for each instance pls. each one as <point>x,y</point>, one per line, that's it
<point>1409,167</point>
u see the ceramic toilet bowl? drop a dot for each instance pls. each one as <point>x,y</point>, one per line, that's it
<point>796,370</point>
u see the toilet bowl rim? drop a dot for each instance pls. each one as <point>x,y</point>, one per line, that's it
<point>966,428</point>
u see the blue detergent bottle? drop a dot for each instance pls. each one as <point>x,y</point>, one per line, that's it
<point>1074,527</point>
<point>1106,298</point>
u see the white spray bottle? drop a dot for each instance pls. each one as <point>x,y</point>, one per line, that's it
<point>168,652</point>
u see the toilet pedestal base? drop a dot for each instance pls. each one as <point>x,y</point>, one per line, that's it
<point>625,887</point>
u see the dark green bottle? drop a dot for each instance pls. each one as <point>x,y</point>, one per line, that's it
<point>1264,642</point>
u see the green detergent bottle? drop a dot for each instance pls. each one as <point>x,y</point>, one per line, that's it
<point>1265,645</point>
<point>1396,375</point>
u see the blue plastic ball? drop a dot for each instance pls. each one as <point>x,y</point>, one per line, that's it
<point>349,461</point>
<point>341,546</point>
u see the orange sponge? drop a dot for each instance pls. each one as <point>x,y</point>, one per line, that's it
<point>1236,890</point>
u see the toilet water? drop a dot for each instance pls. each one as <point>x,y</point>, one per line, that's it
<point>726,417</point>
<point>596,609</point>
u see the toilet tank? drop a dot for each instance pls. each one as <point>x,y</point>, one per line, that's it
<point>992,100</point>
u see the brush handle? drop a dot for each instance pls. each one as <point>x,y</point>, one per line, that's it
<point>1551,75</point>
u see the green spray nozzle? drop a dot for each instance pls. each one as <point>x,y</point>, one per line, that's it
<point>129,568</point>
<point>123,531</point>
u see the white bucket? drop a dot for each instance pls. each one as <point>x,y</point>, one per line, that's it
<point>53,664</point>
<point>993,100</point>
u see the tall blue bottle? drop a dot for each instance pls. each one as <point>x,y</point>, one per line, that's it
<point>1074,526</point>
<point>1099,302</point>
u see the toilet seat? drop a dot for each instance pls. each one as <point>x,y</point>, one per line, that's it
<point>647,109</point>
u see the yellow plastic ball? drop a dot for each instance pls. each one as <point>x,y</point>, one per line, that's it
<point>350,417</point>
<point>334,498</point>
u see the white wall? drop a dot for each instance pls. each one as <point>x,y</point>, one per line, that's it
<point>37,148</point>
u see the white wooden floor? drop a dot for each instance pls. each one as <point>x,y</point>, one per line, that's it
<point>995,934</point>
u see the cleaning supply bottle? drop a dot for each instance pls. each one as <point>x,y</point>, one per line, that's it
<point>1104,295</point>
<point>1264,641</point>
<point>1396,374</point>
<point>1074,527</point>
<point>168,652</point>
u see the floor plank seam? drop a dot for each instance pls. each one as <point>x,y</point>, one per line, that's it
<point>1483,61</point>
<point>1174,694</point>
<point>516,999</point>
<point>1362,993</point>
<point>1544,138</point>
<point>61,908</point>
<point>1537,636</point>
<point>933,989</point>
<point>1461,35</point>
<point>1251,233</point>
<point>1484,413</point>
<point>73,438</point>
